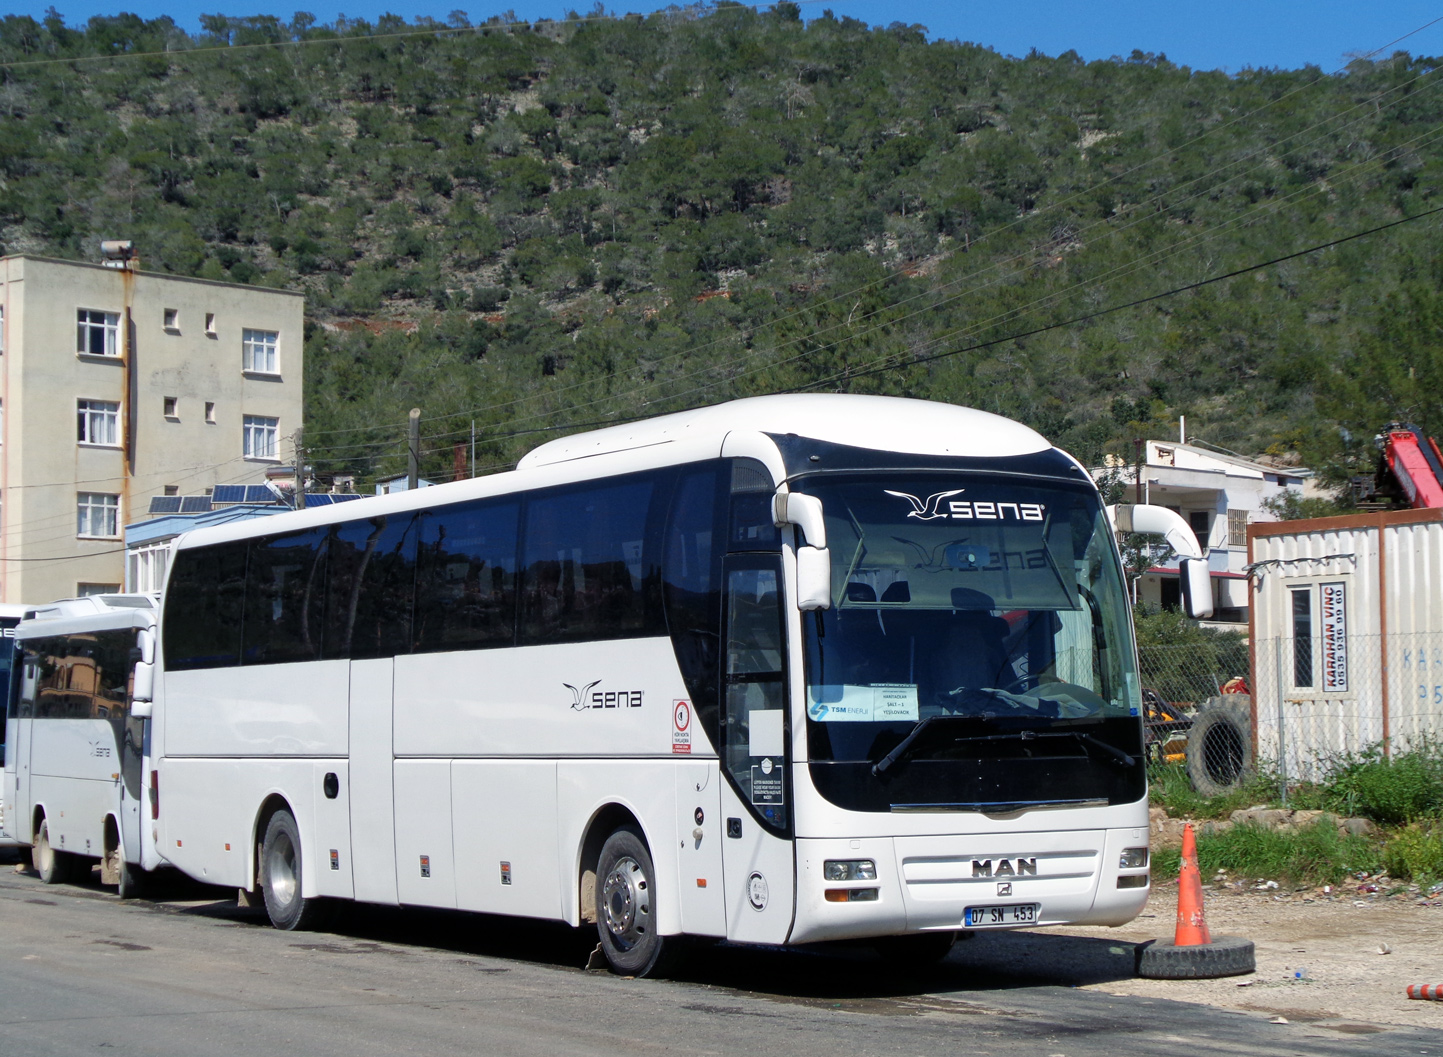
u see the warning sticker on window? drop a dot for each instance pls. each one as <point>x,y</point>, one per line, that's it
<point>681,727</point>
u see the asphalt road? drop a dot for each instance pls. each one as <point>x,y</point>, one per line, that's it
<point>190,973</point>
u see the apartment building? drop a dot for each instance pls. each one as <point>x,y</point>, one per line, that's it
<point>118,384</point>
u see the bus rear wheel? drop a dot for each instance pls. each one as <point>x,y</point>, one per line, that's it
<point>626,909</point>
<point>53,866</point>
<point>281,867</point>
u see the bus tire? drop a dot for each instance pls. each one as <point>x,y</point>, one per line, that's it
<point>281,876</point>
<point>1220,745</point>
<point>133,881</point>
<point>920,950</point>
<point>54,866</point>
<point>626,908</point>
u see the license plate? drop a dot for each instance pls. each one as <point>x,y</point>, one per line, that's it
<point>1010,914</point>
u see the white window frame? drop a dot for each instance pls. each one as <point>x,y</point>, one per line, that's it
<point>261,351</point>
<point>91,414</point>
<point>90,321</point>
<point>267,431</point>
<point>93,507</point>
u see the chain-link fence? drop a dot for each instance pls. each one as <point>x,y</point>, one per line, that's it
<point>1292,708</point>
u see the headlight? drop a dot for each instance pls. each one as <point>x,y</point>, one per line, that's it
<point>849,870</point>
<point>1133,859</point>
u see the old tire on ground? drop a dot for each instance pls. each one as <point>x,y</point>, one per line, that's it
<point>920,950</point>
<point>53,866</point>
<point>626,909</point>
<point>281,875</point>
<point>1224,956</point>
<point>1220,745</point>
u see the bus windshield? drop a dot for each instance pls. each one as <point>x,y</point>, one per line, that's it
<point>974,618</point>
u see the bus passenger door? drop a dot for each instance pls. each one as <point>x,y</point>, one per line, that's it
<point>18,723</point>
<point>758,861</point>
<point>131,732</point>
<point>371,779</point>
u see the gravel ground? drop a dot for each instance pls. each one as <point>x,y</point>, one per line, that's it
<point>1342,958</point>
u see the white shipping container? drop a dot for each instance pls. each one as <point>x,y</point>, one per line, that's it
<point>1347,633</point>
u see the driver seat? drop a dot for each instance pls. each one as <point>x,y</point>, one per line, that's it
<point>972,654</point>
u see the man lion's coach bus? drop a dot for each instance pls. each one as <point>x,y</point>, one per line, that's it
<point>76,744</point>
<point>783,670</point>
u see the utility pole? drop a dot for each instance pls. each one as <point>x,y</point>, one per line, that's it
<point>413,450</point>
<point>298,438</point>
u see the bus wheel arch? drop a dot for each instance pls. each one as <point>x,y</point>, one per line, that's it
<point>606,821</point>
<point>112,855</point>
<point>280,871</point>
<point>53,866</point>
<point>625,889</point>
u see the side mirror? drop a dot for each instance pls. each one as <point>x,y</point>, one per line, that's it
<point>1192,566</point>
<point>814,560</point>
<point>814,578</point>
<point>145,642</point>
<point>1197,588</point>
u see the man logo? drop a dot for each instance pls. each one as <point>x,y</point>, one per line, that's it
<point>1004,888</point>
<point>926,510</point>
<point>1005,868</point>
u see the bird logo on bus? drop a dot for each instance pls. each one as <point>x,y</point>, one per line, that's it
<point>926,510</point>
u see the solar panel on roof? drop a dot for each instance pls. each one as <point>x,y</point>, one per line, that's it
<point>259,493</point>
<point>319,500</point>
<point>165,504</point>
<point>195,504</point>
<point>345,497</point>
<point>228,493</point>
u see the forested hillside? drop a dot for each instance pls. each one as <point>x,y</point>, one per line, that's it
<point>540,226</point>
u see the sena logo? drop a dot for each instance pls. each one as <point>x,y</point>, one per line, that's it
<point>931,508</point>
<point>589,697</point>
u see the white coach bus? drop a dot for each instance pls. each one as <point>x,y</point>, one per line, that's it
<point>783,670</point>
<point>76,745</point>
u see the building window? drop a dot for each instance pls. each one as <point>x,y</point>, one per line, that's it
<point>1302,636</point>
<point>210,411</point>
<point>172,319</point>
<point>2,328</point>
<point>82,589</point>
<point>1237,528</point>
<point>261,436</point>
<point>145,566</point>
<point>172,407</point>
<point>210,324</point>
<point>1201,523</point>
<point>98,422</point>
<point>258,352</point>
<point>97,333</point>
<point>99,515</point>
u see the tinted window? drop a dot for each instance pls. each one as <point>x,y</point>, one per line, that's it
<point>204,607</point>
<point>690,571</point>
<point>586,572</point>
<point>80,676</point>
<point>285,598</point>
<point>370,587</point>
<point>466,577</point>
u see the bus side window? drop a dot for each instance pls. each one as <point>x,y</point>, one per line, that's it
<point>691,591</point>
<point>466,577</point>
<point>205,607</point>
<point>371,585</point>
<point>587,569</point>
<point>285,598</point>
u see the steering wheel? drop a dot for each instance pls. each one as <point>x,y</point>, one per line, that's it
<point>1022,684</point>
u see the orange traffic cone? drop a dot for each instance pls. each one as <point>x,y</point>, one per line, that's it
<point>1192,929</point>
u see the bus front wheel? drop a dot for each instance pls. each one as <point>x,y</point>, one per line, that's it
<point>626,908</point>
<point>281,866</point>
<point>53,866</point>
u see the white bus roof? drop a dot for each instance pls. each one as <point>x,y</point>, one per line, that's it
<point>89,613</point>
<point>881,423</point>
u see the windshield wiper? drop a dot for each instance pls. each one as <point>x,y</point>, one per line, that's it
<point>902,749</point>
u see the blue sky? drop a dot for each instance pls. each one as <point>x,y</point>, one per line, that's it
<point>1218,34</point>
